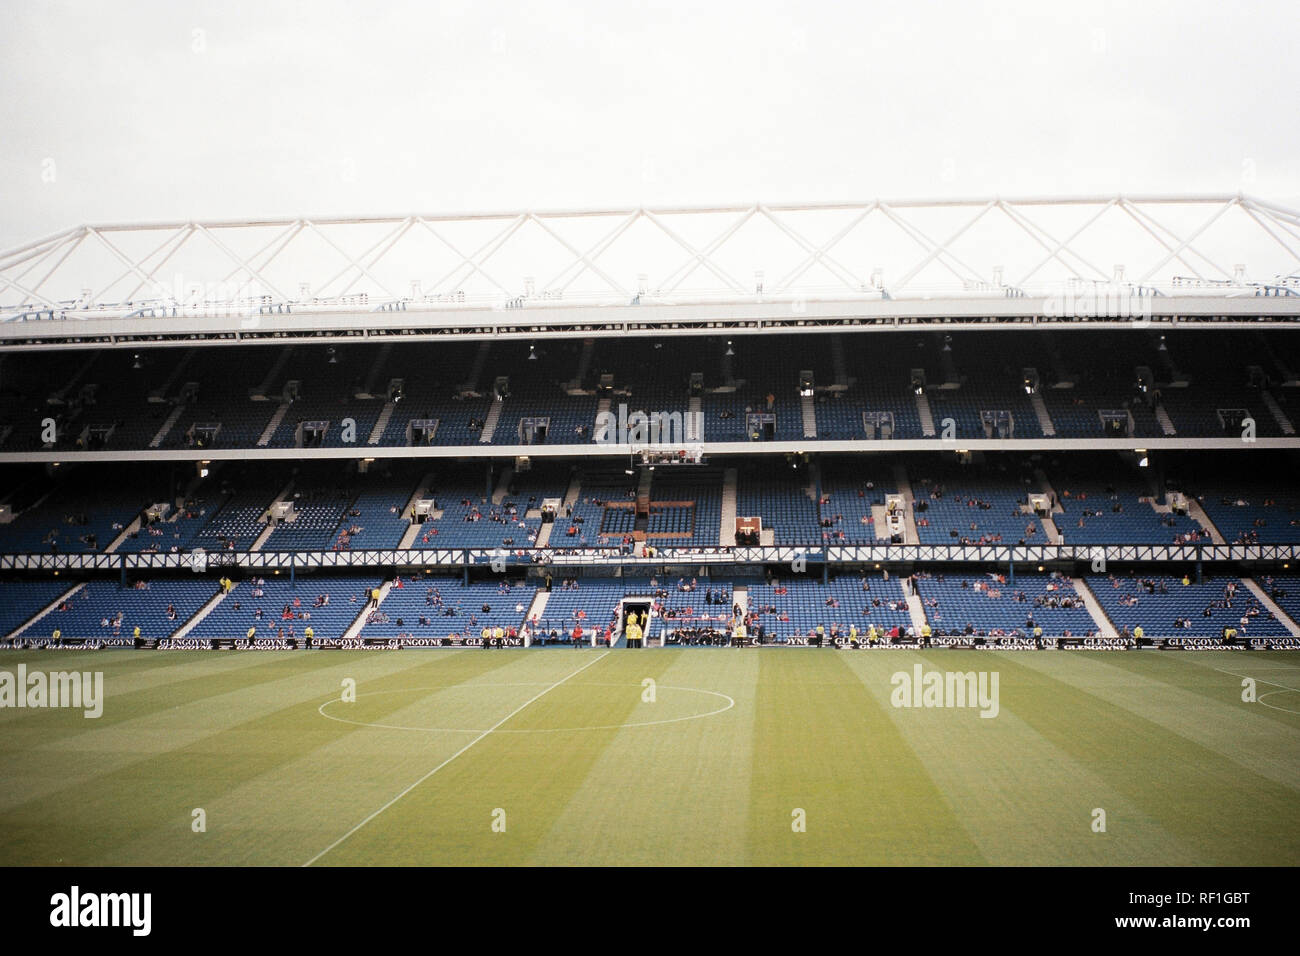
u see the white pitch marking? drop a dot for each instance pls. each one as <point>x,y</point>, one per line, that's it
<point>1285,710</point>
<point>542,730</point>
<point>1260,699</point>
<point>1259,679</point>
<point>450,759</point>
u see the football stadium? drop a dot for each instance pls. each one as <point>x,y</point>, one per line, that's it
<point>476,469</point>
<point>868,533</point>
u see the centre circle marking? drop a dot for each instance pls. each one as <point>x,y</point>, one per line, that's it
<point>541,730</point>
<point>1285,710</point>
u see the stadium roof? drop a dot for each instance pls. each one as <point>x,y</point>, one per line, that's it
<point>875,250</point>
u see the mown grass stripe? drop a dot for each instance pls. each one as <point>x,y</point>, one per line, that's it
<point>52,724</point>
<point>448,819</point>
<point>824,745</point>
<point>1199,703</point>
<point>676,793</point>
<point>148,801</point>
<point>1225,813</point>
<point>1022,799</point>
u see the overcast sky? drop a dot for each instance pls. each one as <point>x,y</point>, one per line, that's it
<point>171,109</point>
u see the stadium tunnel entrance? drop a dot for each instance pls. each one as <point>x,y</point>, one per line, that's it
<point>638,611</point>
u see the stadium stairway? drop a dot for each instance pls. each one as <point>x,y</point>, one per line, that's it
<point>201,613</point>
<point>354,629</point>
<point>273,424</point>
<point>880,521</point>
<point>915,609</point>
<point>409,536</point>
<point>813,488</point>
<point>381,423</point>
<point>727,532</point>
<point>602,410</point>
<point>809,410</point>
<point>132,526</point>
<point>1049,523</point>
<point>1198,515</point>
<point>44,611</point>
<point>503,485</point>
<point>926,416</point>
<point>1275,410</point>
<point>167,425</point>
<point>904,485</point>
<point>1044,417</point>
<point>1269,604</point>
<point>1049,528</point>
<point>1166,423</point>
<point>572,493</point>
<point>544,534</point>
<point>1046,487</point>
<point>1104,625</point>
<point>266,532</point>
<point>538,605</point>
<point>1155,493</point>
<point>694,428</point>
<point>413,532</point>
<point>490,423</point>
<point>1049,489</point>
<point>262,536</point>
<point>740,596</point>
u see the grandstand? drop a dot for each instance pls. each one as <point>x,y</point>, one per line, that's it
<point>525,399</point>
<point>924,433</point>
<point>101,610</point>
<point>787,510</point>
<point>985,401</point>
<point>993,509</point>
<point>277,608</point>
<point>71,517</point>
<point>853,503</point>
<point>1111,508</point>
<point>1168,606</point>
<point>588,604</point>
<point>1247,510</point>
<point>792,610</point>
<point>431,607</point>
<point>21,601</point>
<point>992,606</point>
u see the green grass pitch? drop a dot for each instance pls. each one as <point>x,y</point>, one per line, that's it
<point>557,757</point>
